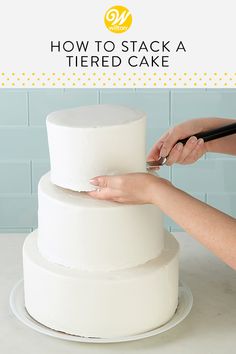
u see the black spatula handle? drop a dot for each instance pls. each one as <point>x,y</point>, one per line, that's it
<point>214,133</point>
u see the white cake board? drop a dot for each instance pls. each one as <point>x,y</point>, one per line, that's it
<point>17,305</point>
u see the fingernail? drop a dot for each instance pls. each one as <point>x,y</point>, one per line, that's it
<point>94,181</point>
<point>163,152</point>
<point>193,139</point>
<point>179,146</point>
<point>200,141</point>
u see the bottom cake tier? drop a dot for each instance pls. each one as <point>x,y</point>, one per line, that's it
<point>101,304</point>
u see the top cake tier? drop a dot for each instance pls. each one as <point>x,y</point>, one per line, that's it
<point>95,140</point>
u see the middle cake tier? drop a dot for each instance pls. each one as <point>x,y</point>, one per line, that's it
<point>80,232</point>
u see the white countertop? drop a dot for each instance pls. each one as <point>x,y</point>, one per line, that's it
<point>210,328</point>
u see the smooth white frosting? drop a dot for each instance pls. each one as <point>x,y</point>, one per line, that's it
<point>95,140</point>
<point>100,304</point>
<point>97,268</point>
<point>78,231</point>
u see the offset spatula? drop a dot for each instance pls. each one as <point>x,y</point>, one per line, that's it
<point>206,136</point>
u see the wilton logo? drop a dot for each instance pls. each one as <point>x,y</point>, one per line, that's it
<point>118,19</point>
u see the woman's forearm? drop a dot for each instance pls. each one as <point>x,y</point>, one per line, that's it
<point>214,229</point>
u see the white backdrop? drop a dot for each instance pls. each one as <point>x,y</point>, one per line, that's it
<point>207,29</point>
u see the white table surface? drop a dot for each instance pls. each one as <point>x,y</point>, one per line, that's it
<point>210,327</point>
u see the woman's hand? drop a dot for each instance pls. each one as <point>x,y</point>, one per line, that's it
<point>132,188</point>
<point>179,153</point>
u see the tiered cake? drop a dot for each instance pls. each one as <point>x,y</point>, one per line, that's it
<point>97,268</point>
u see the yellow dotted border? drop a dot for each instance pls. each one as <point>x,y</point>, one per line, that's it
<point>117,79</point>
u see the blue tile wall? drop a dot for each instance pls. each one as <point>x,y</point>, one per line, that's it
<point>206,175</point>
<point>24,150</point>
<point>17,230</point>
<point>39,168</point>
<point>15,177</point>
<point>223,201</point>
<point>13,108</point>
<point>42,102</point>
<point>18,211</point>
<point>20,143</point>
<point>187,104</point>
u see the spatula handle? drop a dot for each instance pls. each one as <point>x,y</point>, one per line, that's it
<point>214,133</point>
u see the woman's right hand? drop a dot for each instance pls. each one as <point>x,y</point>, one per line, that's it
<point>177,152</point>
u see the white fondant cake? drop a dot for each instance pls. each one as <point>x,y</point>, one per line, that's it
<point>98,304</point>
<point>80,232</point>
<point>97,268</point>
<point>95,140</point>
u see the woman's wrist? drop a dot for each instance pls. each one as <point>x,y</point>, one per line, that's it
<point>160,190</point>
<point>205,124</point>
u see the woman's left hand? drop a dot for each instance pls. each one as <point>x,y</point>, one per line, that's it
<point>131,188</point>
